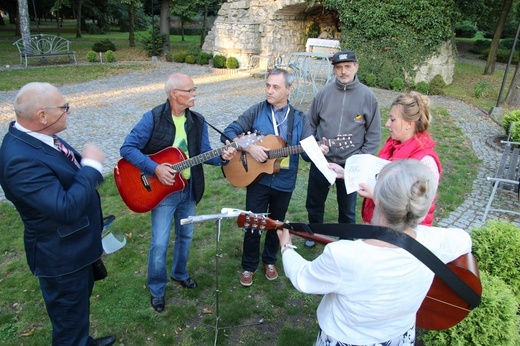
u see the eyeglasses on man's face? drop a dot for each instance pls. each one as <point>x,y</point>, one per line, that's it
<point>65,107</point>
<point>188,90</point>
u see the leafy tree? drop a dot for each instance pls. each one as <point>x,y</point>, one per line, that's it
<point>164,24</point>
<point>185,10</point>
<point>492,57</point>
<point>132,6</point>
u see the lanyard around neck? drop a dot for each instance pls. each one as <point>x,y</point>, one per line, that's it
<point>275,124</point>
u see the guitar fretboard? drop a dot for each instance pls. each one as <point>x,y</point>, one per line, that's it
<point>193,161</point>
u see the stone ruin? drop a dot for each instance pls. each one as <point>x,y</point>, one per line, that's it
<point>253,31</point>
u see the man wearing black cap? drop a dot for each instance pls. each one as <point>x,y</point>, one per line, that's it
<point>345,106</point>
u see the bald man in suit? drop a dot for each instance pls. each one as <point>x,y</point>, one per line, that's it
<point>60,207</point>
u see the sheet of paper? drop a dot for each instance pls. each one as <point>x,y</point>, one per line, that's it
<point>313,150</point>
<point>362,168</point>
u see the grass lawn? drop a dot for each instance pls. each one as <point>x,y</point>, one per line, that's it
<point>120,303</point>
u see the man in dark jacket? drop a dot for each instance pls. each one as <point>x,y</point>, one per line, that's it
<point>167,125</point>
<point>273,192</point>
<point>53,188</point>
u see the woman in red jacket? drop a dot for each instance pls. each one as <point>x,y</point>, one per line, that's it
<point>409,138</point>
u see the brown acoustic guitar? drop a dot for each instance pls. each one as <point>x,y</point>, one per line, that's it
<point>243,170</point>
<point>141,193</point>
<point>442,308</point>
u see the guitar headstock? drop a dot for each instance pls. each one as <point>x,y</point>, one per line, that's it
<point>257,222</point>
<point>248,139</point>
<point>341,141</point>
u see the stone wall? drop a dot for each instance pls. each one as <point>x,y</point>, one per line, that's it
<point>266,28</point>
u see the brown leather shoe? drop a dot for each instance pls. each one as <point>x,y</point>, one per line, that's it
<point>271,273</point>
<point>246,278</point>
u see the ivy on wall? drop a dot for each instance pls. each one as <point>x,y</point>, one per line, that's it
<point>402,33</point>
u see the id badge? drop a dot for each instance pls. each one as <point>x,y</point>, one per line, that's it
<point>284,164</point>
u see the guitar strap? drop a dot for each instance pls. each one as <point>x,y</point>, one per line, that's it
<point>290,124</point>
<point>349,231</point>
<point>220,132</point>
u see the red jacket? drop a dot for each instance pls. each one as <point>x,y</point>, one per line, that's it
<point>415,148</point>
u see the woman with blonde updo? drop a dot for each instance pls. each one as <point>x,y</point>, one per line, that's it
<point>409,139</point>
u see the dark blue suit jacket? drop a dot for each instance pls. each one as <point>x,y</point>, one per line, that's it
<point>58,203</point>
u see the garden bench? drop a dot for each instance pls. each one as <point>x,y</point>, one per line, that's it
<point>507,176</point>
<point>44,46</point>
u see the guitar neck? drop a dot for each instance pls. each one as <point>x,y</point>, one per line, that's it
<point>193,161</point>
<point>290,150</point>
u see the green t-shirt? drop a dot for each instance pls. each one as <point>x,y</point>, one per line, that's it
<point>181,139</point>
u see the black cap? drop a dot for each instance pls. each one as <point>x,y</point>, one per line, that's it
<point>344,56</point>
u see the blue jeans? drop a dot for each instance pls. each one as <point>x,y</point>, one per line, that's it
<point>177,206</point>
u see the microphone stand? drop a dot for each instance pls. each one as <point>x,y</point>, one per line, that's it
<point>226,213</point>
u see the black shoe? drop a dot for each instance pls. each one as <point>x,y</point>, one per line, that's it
<point>104,341</point>
<point>310,243</point>
<point>188,283</point>
<point>157,303</point>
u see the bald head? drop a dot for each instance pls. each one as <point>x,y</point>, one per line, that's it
<point>39,107</point>
<point>33,97</point>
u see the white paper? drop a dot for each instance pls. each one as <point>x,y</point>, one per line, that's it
<point>362,168</point>
<point>112,244</point>
<point>312,149</point>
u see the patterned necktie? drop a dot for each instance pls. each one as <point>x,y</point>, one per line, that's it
<point>65,151</point>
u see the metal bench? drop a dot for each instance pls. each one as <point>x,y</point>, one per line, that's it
<point>507,176</point>
<point>44,46</point>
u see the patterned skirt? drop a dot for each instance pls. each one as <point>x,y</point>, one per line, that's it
<point>407,339</point>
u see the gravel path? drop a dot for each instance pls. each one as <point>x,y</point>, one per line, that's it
<point>104,111</point>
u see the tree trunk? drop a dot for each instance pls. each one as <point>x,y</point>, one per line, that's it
<point>492,57</point>
<point>204,24</point>
<point>131,17</point>
<point>78,18</point>
<point>25,25</point>
<point>513,95</point>
<point>164,24</point>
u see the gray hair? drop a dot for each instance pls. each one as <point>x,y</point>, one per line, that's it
<point>32,97</point>
<point>404,193</point>
<point>288,77</point>
<point>174,81</point>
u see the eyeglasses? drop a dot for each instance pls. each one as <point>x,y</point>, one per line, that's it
<point>65,107</point>
<point>187,91</point>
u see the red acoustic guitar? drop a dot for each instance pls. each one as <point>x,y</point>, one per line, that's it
<point>141,193</point>
<point>243,170</point>
<point>442,308</point>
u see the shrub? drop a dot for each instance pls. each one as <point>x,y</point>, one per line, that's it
<point>232,63</point>
<point>180,57</point>
<point>515,131</point>
<point>496,246</point>
<point>110,56</point>
<point>153,42</point>
<point>194,49</point>
<point>493,322</point>
<point>204,58</point>
<point>91,56</point>
<point>465,29</point>
<point>502,55</point>
<point>219,61</point>
<point>423,88</point>
<point>397,84</point>
<point>169,56</point>
<point>481,89</point>
<point>103,45</point>
<point>508,119</point>
<point>387,74</point>
<point>479,46</point>
<point>437,85</point>
<point>190,59</point>
<point>371,80</point>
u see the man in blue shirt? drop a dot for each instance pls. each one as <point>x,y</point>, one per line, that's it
<point>167,125</point>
